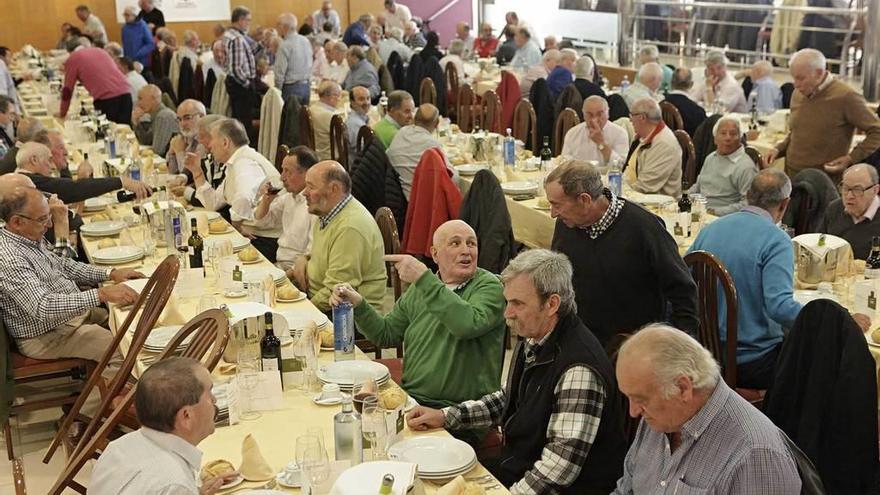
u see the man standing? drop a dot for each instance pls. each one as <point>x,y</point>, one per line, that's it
<point>560,411</point>
<point>720,86</point>
<point>358,117</point>
<point>853,216</point>
<point>152,122</point>
<point>327,15</point>
<point>289,209</point>
<point>825,112</point>
<point>98,73</point>
<point>361,73</point>
<point>92,25</point>
<point>596,138</point>
<point>343,222</point>
<point>322,112</point>
<point>176,408</point>
<point>154,17</point>
<point>762,271</point>
<point>241,69</point>
<point>401,108</point>
<point>356,33</point>
<point>189,114</point>
<point>654,162</point>
<point>293,60</point>
<point>627,270</point>
<point>527,51</point>
<point>397,15</point>
<point>697,435</point>
<point>411,142</point>
<point>137,40</point>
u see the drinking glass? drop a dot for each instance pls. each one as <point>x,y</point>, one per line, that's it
<point>312,460</point>
<point>247,369</point>
<point>304,353</point>
<point>207,302</point>
<point>374,426</point>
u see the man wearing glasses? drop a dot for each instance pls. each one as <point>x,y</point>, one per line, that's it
<point>854,215</point>
<point>189,113</point>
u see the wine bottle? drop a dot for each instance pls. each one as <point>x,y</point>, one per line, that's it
<point>872,263</point>
<point>124,196</point>
<point>196,245</point>
<point>270,347</point>
<point>546,154</point>
<point>684,203</point>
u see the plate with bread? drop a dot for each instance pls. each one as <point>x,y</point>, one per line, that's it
<point>217,468</point>
<point>289,294</point>
<point>219,226</point>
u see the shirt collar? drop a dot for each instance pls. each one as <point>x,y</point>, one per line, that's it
<point>870,212</point>
<point>695,426</point>
<point>736,155</point>
<point>325,220</point>
<point>615,204</point>
<point>18,238</point>
<point>533,347</point>
<point>761,212</point>
<point>393,122</point>
<point>824,84</point>
<point>176,445</point>
<point>657,130</point>
<point>235,154</point>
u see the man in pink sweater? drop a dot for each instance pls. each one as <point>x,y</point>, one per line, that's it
<point>96,70</point>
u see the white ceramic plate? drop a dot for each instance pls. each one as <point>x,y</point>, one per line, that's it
<point>160,336</point>
<point>326,402</point>
<point>302,295</point>
<point>239,242</point>
<point>235,482</point>
<point>805,296</point>
<point>97,204</point>
<point>368,475</point>
<point>434,455</point>
<point>297,320</point>
<point>470,169</point>
<point>259,273</point>
<point>244,310</point>
<point>102,228</point>
<point>653,199</point>
<point>210,215</point>
<point>117,253</point>
<point>519,187</point>
<point>251,262</point>
<point>343,373</point>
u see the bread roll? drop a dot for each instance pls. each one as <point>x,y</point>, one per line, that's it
<point>216,468</point>
<point>249,253</point>
<point>392,398</point>
<point>217,226</point>
<point>327,339</point>
<point>288,292</point>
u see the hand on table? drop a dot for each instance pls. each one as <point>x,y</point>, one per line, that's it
<point>425,418</point>
<point>212,485</point>
<point>123,274</point>
<point>117,294</point>
<point>345,292</point>
<point>838,165</point>
<point>409,268</point>
<point>863,321</point>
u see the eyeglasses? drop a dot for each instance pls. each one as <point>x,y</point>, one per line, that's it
<point>186,117</point>
<point>44,220</point>
<point>857,191</point>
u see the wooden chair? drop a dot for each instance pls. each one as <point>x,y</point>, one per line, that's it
<point>671,116</point>
<point>210,335</point>
<point>283,151</point>
<point>490,112</point>
<point>688,158</point>
<point>152,301</point>
<point>427,92</point>
<point>306,128</point>
<point>338,141</point>
<point>756,157</point>
<point>364,135</point>
<point>525,124</point>
<point>451,73</point>
<point>465,109</point>
<point>566,120</point>
<point>18,475</point>
<point>388,228</point>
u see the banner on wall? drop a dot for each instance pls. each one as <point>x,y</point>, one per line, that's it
<point>184,10</point>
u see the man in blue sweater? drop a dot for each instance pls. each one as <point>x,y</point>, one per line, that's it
<point>759,257</point>
<point>137,40</point>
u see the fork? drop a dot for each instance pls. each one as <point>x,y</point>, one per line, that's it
<point>266,486</point>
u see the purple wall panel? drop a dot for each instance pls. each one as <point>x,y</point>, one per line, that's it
<point>444,25</point>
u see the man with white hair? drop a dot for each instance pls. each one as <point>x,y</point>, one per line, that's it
<point>688,412</point>
<point>187,52</point>
<point>647,85</point>
<point>825,112</point>
<point>152,122</point>
<point>137,40</point>
<point>762,271</point>
<point>454,56</point>
<point>550,43</point>
<point>361,72</point>
<point>338,61</point>
<point>28,130</point>
<point>293,61</point>
<point>322,112</point>
<point>596,138</point>
<point>720,87</point>
<point>541,70</point>
<point>61,238</point>
<point>727,172</point>
<point>766,96</point>
<point>584,72</point>
<point>92,25</point>
<point>397,15</point>
<point>325,15</point>
<point>463,33</point>
<point>560,410</point>
<point>650,53</point>
<point>527,51</point>
<point>189,113</point>
<point>563,74</point>
<point>412,36</point>
<point>853,216</point>
<point>487,43</point>
<point>654,162</point>
<point>408,145</point>
<point>393,42</point>
<point>217,61</point>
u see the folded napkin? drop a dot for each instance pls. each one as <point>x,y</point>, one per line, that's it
<point>253,465</point>
<point>459,486</point>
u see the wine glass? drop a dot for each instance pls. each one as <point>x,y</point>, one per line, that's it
<point>247,369</point>
<point>312,460</point>
<point>374,426</point>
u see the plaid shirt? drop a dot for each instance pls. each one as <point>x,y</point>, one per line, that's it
<point>38,289</point>
<point>326,219</point>
<point>240,63</point>
<point>571,430</point>
<point>615,204</point>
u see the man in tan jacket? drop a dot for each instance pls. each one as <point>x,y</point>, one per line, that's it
<point>654,163</point>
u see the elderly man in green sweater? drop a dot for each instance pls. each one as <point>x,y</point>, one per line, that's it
<point>451,323</point>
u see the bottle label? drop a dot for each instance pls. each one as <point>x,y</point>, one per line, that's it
<point>270,364</point>
<point>872,301</point>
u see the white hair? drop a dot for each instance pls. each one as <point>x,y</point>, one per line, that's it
<point>551,55</point>
<point>287,19</point>
<point>651,70</point>
<point>129,11</point>
<point>456,47</point>
<point>651,52</point>
<point>550,273</point>
<point>716,57</point>
<point>727,118</point>
<point>29,151</point>
<point>648,107</point>
<point>598,99</point>
<point>584,68</point>
<point>858,167</point>
<point>396,33</point>
<point>196,104</point>
<point>114,49</point>
<point>810,56</point>
<point>568,54</point>
<point>673,354</point>
<point>189,36</point>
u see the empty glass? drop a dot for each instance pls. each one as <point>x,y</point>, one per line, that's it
<point>374,426</point>
<point>312,460</point>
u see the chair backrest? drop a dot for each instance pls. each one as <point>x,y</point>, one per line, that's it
<point>465,110</point>
<point>787,91</point>
<point>283,150</point>
<point>364,135</point>
<point>210,334</point>
<point>149,307</point>
<point>427,92</point>
<point>306,128</point>
<point>490,112</point>
<point>338,142</point>
<point>566,120</point>
<point>451,73</point>
<point>688,157</point>
<point>710,274</point>
<point>525,124</point>
<point>671,116</point>
<point>388,228</point>
<point>756,157</point>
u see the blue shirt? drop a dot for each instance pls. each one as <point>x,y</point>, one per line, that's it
<point>526,56</point>
<point>355,35</point>
<point>760,259</point>
<point>767,94</point>
<point>558,79</point>
<point>137,41</point>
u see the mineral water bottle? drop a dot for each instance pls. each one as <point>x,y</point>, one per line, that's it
<point>347,433</point>
<point>624,84</point>
<point>343,331</point>
<point>509,150</point>
<point>615,177</point>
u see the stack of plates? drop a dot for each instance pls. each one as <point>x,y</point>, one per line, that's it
<point>210,215</point>
<point>254,274</point>
<point>244,310</point>
<point>117,255</point>
<point>239,242</point>
<point>519,188</point>
<point>344,373</point>
<point>656,200</point>
<point>297,321</point>
<point>470,169</point>
<point>102,228</point>
<point>97,204</point>
<point>438,458</point>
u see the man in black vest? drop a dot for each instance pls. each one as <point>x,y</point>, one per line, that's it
<point>691,112</point>
<point>560,411</point>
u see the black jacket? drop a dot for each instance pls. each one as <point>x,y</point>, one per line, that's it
<point>7,163</point>
<point>539,95</point>
<point>530,402</point>
<point>588,88</point>
<point>571,98</point>
<point>208,90</point>
<point>505,52</point>
<point>816,185</point>
<point>432,69</point>
<point>617,107</point>
<point>288,132</point>
<point>704,141</point>
<point>485,209</point>
<point>824,397</point>
<point>414,73</point>
<point>691,113</point>
<point>375,183</point>
<point>185,81</point>
<point>73,191</point>
<point>395,67</point>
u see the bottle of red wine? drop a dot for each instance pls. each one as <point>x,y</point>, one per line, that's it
<point>124,196</point>
<point>195,244</point>
<point>270,347</point>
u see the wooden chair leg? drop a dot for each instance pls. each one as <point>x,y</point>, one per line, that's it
<point>18,476</point>
<point>7,435</point>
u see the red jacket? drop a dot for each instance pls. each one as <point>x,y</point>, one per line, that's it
<point>508,92</point>
<point>434,199</point>
<point>486,48</point>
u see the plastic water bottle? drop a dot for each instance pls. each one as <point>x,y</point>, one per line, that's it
<point>509,150</point>
<point>615,177</point>
<point>624,84</point>
<point>111,142</point>
<point>343,332</point>
<point>134,170</point>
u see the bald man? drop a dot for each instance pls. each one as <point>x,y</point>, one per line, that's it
<point>347,246</point>
<point>411,142</point>
<point>153,123</point>
<point>451,322</point>
<point>28,129</point>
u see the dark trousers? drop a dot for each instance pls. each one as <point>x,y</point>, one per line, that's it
<point>267,246</point>
<point>758,373</point>
<point>241,101</point>
<point>117,109</point>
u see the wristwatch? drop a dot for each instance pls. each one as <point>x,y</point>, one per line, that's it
<point>601,147</point>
